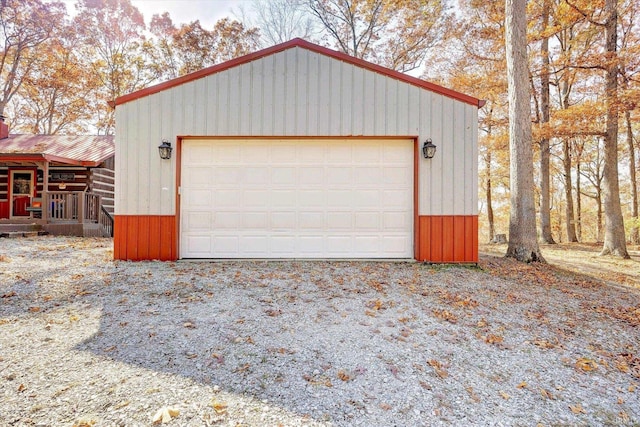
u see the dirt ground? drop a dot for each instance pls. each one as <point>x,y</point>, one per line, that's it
<point>584,258</point>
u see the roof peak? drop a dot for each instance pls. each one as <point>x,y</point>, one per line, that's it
<point>301,43</point>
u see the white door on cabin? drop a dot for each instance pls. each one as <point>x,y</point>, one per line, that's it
<point>308,198</point>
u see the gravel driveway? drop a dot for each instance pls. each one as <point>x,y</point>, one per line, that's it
<point>88,341</point>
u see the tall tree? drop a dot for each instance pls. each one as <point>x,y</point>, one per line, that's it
<point>371,29</point>
<point>24,25</point>
<point>56,97</point>
<point>281,20</point>
<point>545,152</point>
<point>192,47</point>
<point>113,32</point>
<point>614,234</point>
<point>523,243</point>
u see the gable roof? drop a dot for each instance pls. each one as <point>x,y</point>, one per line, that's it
<point>304,45</point>
<point>83,150</point>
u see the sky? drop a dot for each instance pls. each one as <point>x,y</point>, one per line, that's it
<point>184,11</point>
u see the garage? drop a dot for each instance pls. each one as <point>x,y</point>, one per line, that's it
<point>297,198</point>
<point>296,151</point>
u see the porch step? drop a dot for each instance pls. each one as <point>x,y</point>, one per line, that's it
<point>18,234</point>
<point>9,228</point>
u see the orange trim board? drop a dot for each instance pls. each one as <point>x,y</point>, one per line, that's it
<point>441,238</point>
<point>448,238</point>
<point>145,237</point>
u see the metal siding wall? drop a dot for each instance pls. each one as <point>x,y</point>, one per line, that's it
<point>296,93</point>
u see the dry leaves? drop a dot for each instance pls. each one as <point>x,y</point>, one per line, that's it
<point>577,409</point>
<point>344,375</point>
<point>445,315</point>
<point>165,414</point>
<point>586,365</point>
<point>219,407</point>
<point>438,368</point>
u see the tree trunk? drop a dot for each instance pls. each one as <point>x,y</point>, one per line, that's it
<point>578,203</point>
<point>634,236</point>
<point>492,230</point>
<point>545,205</point>
<point>614,235</point>
<point>523,242</point>
<point>568,193</point>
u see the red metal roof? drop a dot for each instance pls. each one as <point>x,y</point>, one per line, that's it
<point>305,45</point>
<point>86,150</point>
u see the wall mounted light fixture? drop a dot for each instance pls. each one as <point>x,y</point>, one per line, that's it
<point>428,149</point>
<point>165,150</point>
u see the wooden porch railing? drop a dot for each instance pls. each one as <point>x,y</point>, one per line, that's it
<point>70,206</point>
<point>106,220</point>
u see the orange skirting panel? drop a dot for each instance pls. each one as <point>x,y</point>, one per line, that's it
<point>145,237</point>
<point>448,238</point>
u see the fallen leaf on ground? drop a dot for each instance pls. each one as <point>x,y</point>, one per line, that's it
<point>84,423</point>
<point>445,315</point>
<point>577,409</point>
<point>585,364</point>
<point>547,394</point>
<point>523,384</point>
<point>493,339</point>
<point>504,395</point>
<point>165,414</point>
<point>122,404</point>
<point>438,368</point>
<point>344,376</point>
<point>219,407</point>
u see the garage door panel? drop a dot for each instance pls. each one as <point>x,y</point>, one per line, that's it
<point>198,244</point>
<point>253,245</point>
<point>396,221</point>
<point>340,176</point>
<point>198,221</point>
<point>368,176</point>
<point>199,154</point>
<point>339,221</point>
<point>198,198</point>
<point>226,221</point>
<point>255,220</point>
<point>226,199</point>
<point>255,198</point>
<point>339,199</point>
<point>338,153</point>
<point>256,175</point>
<point>309,198</point>
<point>311,176</point>
<point>227,246</point>
<point>311,220</point>
<point>367,221</point>
<point>282,199</point>
<point>283,221</point>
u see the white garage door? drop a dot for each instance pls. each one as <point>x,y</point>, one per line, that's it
<point>306,198</point>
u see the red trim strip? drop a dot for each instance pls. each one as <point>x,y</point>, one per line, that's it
<point>448,238</point>
<point>305,45</point>
<point>144,237</point>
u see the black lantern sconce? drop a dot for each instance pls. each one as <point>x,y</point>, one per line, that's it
<point>165,150</point>
<point>428,149</point>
